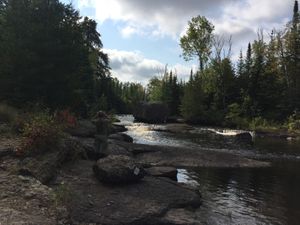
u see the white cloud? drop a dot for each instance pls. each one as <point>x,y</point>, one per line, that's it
<point>133,66</point>
<point>169,17</point>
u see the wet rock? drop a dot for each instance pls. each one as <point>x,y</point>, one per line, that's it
<point>180,217</point>
<point>115,128</point>
<point>169,172</point>
<point>143,203</point>
<point>155,112</point>
<point>118,169</point>
<point>174,128</point>
<point>121,137</point>
<point>180,157</point>
<point>24,201</point>
<point>83,128</point>
<point>244,137</point>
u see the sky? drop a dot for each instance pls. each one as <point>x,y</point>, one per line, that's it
<point>142,36</point>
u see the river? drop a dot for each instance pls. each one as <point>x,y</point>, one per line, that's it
<point>236,196</point>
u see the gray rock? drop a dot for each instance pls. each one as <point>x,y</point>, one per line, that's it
<point>169,172</point>
<point>116,128</point>
<point>24,201</point>
<point>83,128</point>
<point>143,203</point>
<point>180,217</point>
<point>115,148</point>
<point>244,137</point>
<point>44,167</point>
<point>155,112</point>
<point>121,137</point>
<point>118,169</point>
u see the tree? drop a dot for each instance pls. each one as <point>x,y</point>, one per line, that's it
<point>192,107</point>
<point>198,40</point>
<point>48,55</point>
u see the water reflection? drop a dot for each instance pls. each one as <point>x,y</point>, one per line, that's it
<point>237,196</point>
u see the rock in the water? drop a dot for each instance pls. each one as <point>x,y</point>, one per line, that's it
<point>121,137</point>
<point>118,169</point>
<point>83,128</point>
<point>115,128</point>
<point>155,112</point>
<point>169,172</point>
<point>244,137</point>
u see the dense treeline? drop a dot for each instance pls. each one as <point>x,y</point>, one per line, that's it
<point>50,55</point>
<point>263,86</point>
<point>166,89</point>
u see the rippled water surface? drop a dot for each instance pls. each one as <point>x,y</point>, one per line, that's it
<point>236,196</point>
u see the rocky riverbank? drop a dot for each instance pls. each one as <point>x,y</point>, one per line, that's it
<point>90,179</point>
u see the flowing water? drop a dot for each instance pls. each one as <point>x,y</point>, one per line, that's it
<point>236,196</point>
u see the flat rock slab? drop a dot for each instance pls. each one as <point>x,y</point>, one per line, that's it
<point>25,201</point>
<point>146,202</point>
<point>179,157</point>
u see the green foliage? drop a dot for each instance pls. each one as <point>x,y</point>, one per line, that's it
<point>197,40</point>
<point>259,123</point>
<point>167,90</point>
<point>62,194</point>
<point>49,54</point>
<point>41,133</point>
<point>293,122</point>
<point>192,108</point>
<point>234,117</point>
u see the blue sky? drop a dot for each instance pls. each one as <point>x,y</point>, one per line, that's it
<point>141,36</point>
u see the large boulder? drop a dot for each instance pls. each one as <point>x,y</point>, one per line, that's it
<point>118,169</point>
<point>117,128</point>
<point>121,137</point>
<point>116,148</point>
<point>83,128</point>
<point>155,112</point>
<point>244,137</point>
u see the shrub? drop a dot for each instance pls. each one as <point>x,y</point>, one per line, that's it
<point>259,123</point>
<point>293,122</point>
<point>66,118</point>
<point>41,133</point>
<point>62,195</point>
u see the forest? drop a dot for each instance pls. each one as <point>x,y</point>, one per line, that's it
<point>51,56</point>
<point>261,89</point>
